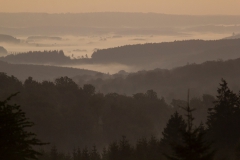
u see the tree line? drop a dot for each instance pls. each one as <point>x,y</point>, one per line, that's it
<point>69,116</point>
<point>217,139</point>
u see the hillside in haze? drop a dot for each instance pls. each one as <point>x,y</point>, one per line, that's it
<point>199,78</point>
<point>234,36</point>
<point>8,39</point>
<point>140,56</point>
<point>38,57</point>
<point>40,72</point>
<point>36,38</point>
<point>169,83</point>
<point>170,54</point>
<point>3,51</point>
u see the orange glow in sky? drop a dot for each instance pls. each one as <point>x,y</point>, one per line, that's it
<point>200,7</point>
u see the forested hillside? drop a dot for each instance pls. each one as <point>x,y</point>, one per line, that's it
<point>199,78</point>
<point>44,72</point>
<point>67,115</point>
<point>169,54</point>
<point>71,117</point>
<point>38,57</point>
<point>141,56</point>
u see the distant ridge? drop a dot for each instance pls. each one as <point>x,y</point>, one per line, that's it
<point>112,22</point>
<point>8,39</point>
<point>44,38</point>
<point>234,36</point>
<point>147,56</point>
<point>3,51</point>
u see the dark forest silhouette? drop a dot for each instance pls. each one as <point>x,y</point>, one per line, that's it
<point>91,117</point>
<point>107,117</point>
<point>217,139</point>
<point>16,142</point>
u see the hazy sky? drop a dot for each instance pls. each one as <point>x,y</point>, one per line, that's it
<point>229,7</point>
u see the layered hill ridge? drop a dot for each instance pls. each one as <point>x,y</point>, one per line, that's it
<point>199,78</point>
<point>143,56</point>
<point>41,72</point>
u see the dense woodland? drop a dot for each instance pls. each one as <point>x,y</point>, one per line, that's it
<point>72,118</point>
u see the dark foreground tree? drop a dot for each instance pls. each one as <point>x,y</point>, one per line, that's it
<point>16,143</point>
<point>193,146</point>
<point>172,133</point>
<point>223,122</point>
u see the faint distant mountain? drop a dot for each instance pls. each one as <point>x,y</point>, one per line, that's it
<point>44,38</point>
<point>40,72</point>
<point>234,36</point>
<point>8,39</point>
<point>111,22</point>
<point>3,51</point>
<point>213,28</point>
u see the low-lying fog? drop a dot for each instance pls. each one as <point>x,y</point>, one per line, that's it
<point>84,46</point>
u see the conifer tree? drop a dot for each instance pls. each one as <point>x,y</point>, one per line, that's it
<point>154,151</point>
<point>113,151</point>
<point>104,154</point>
<point>94,155</point>
<point>194,146</point>
<point>16,143</point>
<point>85,154</point>
<point>125,149</point>
<point>223,121</point>
<point>54,153</point>
<point>141,149</point>
<point>172,134</point>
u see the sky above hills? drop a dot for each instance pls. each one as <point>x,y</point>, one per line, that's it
<point>200,7</point>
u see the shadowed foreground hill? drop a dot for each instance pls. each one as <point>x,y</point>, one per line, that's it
<point>68,115</point>
<point>41,72</point>
<point>199,78</point>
